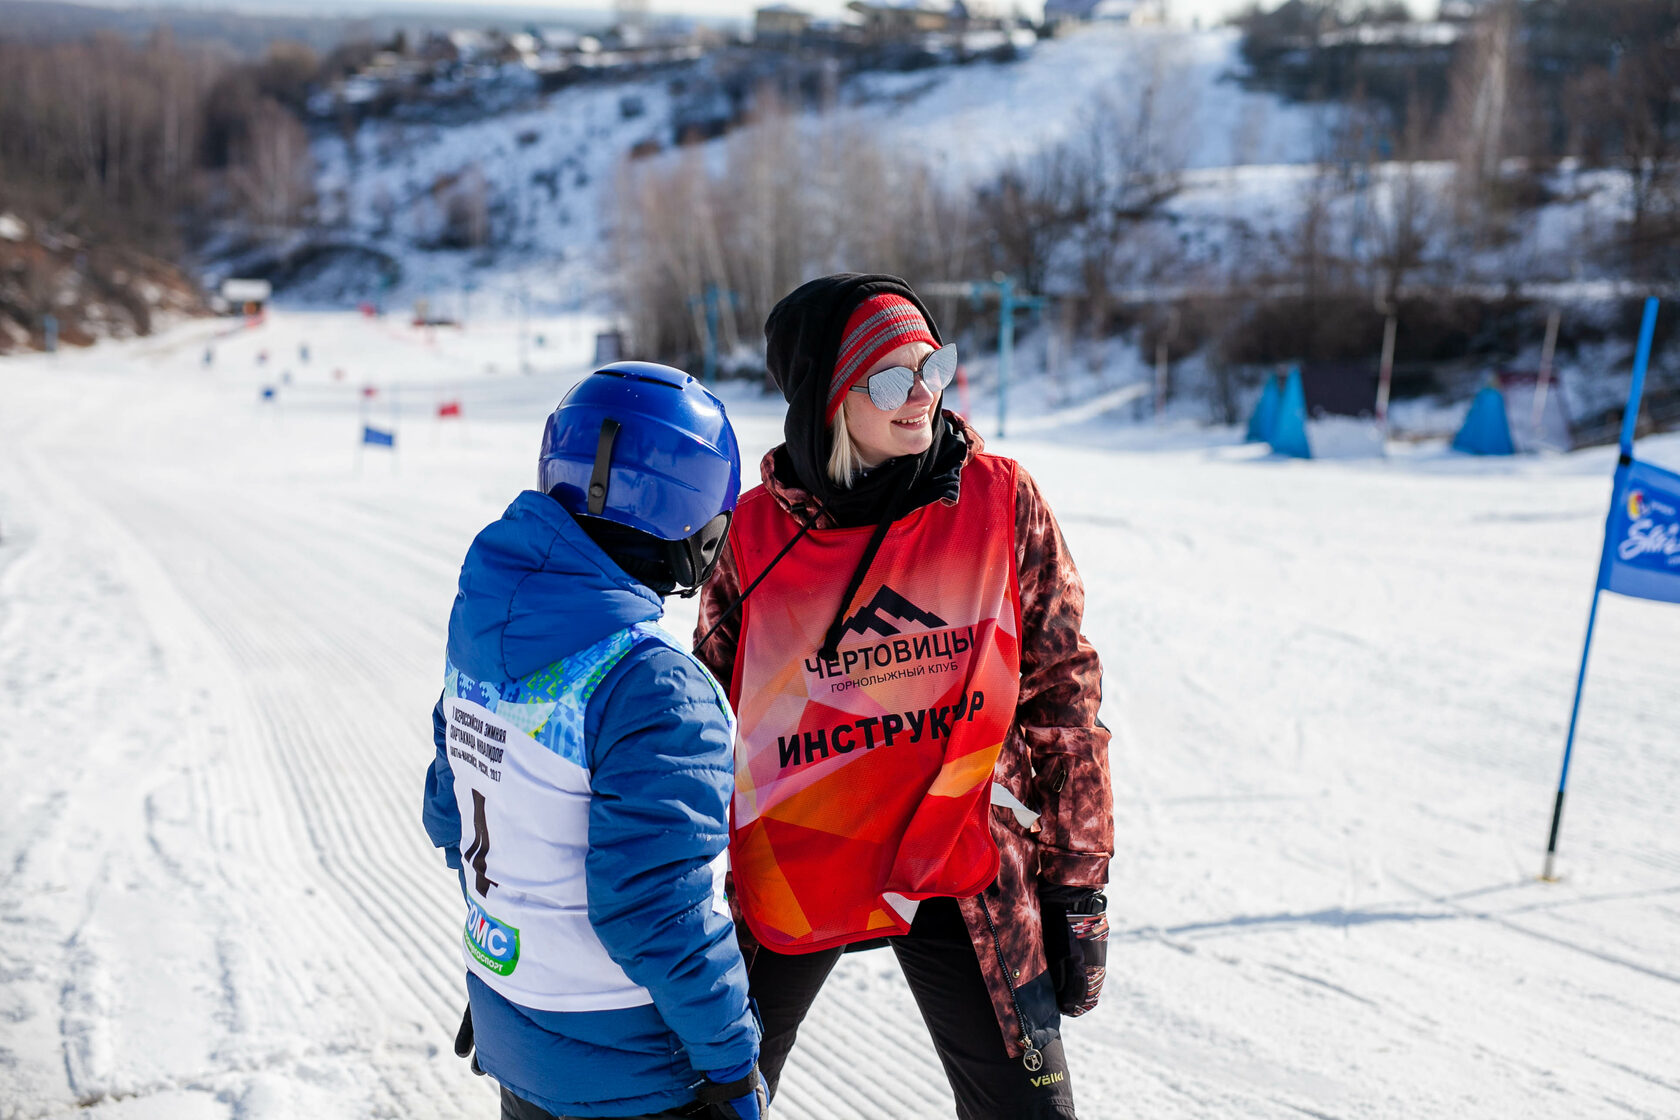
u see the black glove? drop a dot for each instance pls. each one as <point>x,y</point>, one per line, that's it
<point>464,1041</point>
<point>1075,944</point>
<point>744,1098</point>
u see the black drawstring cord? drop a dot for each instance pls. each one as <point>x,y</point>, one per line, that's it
<point>895,505</point>
<point>768,568</point>
<point>831,640</point>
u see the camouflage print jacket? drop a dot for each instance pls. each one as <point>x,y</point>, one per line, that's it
<point>1055,758</point>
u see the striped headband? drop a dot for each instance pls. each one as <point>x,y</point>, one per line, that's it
<point>878,326</point>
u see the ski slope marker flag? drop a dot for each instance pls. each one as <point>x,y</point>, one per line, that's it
<point>1264,417</point>
<point>1487,427</point>
<point>1288,434</point>
<point>378,437</point>
<point>1641,553</point>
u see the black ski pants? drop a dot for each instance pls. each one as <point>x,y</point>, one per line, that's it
<point>518,1108</point>
<point>938,961</point>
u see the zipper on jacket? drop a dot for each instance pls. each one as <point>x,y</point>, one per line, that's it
<point>1031,1056</point>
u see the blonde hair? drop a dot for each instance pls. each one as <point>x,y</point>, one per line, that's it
<point>844,463</point>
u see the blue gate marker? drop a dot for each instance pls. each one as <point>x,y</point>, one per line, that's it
<point>1641,555</point>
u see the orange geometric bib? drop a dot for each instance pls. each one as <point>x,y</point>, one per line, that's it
<point>862,783</point>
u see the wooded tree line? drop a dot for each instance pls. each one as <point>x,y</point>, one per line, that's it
<point>1440,152</point>
<point>1531,81</point>
<point>138,143</point>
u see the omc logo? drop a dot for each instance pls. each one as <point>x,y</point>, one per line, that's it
<point>492,943</point>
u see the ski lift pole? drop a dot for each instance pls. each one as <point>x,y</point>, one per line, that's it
<point>1009,301</point>
<point>1006,344</point>
<point>710,372</point>
<point>1385,372</point>
<point>524,327</point>
<point>1543,383</point>
<point>713,296</point>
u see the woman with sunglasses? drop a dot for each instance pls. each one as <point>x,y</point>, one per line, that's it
<point>918,762</point>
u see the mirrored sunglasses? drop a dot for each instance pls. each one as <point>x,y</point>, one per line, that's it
<point>889,388</point>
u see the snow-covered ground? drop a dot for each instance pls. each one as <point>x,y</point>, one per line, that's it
<point>1338,692</point>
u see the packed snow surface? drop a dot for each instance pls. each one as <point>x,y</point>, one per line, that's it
<point>1338,692</point>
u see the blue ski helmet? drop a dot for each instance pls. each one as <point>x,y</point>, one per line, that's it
<point>649,447</point>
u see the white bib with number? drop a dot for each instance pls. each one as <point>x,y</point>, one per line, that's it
<point>521,770</point>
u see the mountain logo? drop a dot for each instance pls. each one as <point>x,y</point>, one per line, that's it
<point>872,618</point>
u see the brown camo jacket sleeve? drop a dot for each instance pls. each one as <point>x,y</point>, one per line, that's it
<point>1061,690</point>
<point>717,595</point>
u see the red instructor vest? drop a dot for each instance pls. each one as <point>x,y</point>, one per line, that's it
<point>863,783</point>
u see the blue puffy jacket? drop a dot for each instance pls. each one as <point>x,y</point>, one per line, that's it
<point>535,590</point>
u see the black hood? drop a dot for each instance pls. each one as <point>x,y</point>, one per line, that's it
<point>802,342</point>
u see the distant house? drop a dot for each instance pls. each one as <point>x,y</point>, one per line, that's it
<point>472,45</point>
<point>780,21</point>
<point>558,38</point>
<point>888,20</point>
<point>1138,12</point>
<point>1461,9</point>
<point>246,297</point>
<point>976,13</point>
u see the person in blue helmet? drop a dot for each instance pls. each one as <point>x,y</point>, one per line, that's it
<point>584,769</point>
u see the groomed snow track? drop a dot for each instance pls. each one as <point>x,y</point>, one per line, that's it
<point>1338,693</point>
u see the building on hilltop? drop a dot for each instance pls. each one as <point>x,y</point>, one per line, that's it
<point>780,21</point>
<point>1140,13</point>
<point>890,20</point>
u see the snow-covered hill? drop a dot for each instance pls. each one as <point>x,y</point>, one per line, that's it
<point>547,173</point>
<point>1338,692</point>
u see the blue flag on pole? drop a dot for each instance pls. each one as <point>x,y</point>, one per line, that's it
<point>1641,554</point>
<point>378,438</point>
<point>1642,536</point>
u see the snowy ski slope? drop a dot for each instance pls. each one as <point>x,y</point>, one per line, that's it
<point>1338,692</point>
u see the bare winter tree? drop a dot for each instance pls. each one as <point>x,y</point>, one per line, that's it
<point>274,174</point>
<point>103,134</point>
<point>1625,116</point>
<point>1129,153</point>
<point>702,242</point>
<point>1488,117</point>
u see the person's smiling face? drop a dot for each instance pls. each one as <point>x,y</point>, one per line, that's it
<point>879,435</point>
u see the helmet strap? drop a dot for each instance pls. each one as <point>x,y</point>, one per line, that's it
<point>600,476</point>
<point>694,558</point>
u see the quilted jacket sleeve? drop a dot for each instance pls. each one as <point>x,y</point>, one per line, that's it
<point>1061,690</point>
<point>438,812</point>
<point>662,772</point>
